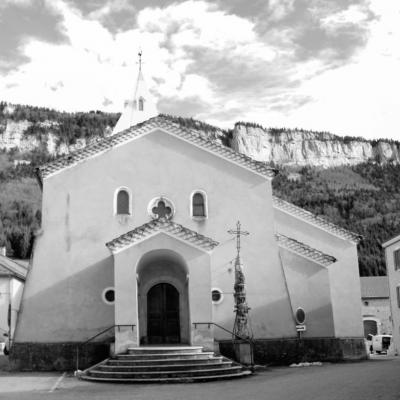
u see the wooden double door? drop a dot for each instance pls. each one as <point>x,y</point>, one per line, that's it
<point>163,324</point>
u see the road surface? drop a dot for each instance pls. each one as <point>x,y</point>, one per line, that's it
<point>375,379</point>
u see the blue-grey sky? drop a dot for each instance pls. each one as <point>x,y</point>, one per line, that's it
<point>316,64</point>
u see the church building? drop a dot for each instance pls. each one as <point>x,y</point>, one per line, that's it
<point>135,243</point>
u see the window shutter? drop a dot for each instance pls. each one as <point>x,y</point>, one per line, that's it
<point>198,205</point>
<point>398,295</point>
<point>396,259</point>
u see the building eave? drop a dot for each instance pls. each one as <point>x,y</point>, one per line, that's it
<point>157,226</point>
<point>391,241</point>
<point>305,251</point>
<point>312,219</point>
<point>192,136</point>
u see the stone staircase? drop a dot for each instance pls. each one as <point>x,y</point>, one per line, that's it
<point>163,365</point>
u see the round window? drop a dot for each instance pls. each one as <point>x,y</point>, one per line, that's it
<point>216,296</point>
<point>109,295</point>
<point>300,316</point>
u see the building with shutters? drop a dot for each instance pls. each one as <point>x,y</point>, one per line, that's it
<point>392,255</point>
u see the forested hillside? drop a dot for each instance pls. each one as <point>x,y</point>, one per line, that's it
<point>364,198</point>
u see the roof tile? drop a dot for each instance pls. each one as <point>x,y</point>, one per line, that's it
<point>192,135</point>
<point>316,220</point>
<point>304,250</point>
<point>374,286</point>
<point>162,225</point>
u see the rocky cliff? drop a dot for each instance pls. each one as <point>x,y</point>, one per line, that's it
<point>61,133</point>
<point>305,148</point>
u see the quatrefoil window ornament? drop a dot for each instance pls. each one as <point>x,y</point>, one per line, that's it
<point>161,207</point>
<point>162,211</point>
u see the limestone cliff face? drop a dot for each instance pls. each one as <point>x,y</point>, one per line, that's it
<point>14,135</point>
<point>301,148</point>
<point>283,147</point>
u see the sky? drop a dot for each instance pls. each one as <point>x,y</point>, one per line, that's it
<point>326,65</point>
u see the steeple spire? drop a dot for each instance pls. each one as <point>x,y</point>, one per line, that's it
<point>140,60</point>
<point>139,107</point>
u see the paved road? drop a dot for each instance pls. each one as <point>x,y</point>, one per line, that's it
<point>376,379</point>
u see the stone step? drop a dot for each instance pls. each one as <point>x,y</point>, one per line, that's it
<point>165,364</point>
<point>157,361</point>
<point>164,349</point>
<point>165,367</point>
<point>207,378</point>
<point>165,374</point>
<point>150,356</point>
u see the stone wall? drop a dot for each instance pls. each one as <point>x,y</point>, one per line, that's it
<point>288,351</point>
<point>56,356</point>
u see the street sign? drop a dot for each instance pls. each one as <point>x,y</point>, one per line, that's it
<point>300,328</point>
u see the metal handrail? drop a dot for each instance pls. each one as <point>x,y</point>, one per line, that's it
<point>248,340</point>
<point>97,335</point>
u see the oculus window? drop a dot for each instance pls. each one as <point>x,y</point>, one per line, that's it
<point>216,295</point>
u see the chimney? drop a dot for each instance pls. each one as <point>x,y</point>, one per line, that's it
<point>3,251</point>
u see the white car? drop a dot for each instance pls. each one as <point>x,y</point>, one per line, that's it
<point>379,343</point>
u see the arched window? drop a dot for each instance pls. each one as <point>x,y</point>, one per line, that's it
<point>141,104</point>
<point>199,205</point>
<point>123,202</point>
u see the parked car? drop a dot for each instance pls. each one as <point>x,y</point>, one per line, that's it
<point>380,343</point>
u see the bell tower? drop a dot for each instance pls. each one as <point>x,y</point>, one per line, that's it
<point>140,107</point>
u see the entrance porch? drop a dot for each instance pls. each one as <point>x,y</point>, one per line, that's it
<point>162,287</point>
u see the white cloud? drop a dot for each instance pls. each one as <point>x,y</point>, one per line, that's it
<point>111,6</point>
<point>5,3</point>
<point>280,8</point>
<point>356,99</point>
<point>354,14</point>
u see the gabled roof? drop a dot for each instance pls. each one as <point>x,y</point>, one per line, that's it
<point>304,250</point>
<point>11,268</point>
<point>196,137</point>
<point>315,220</point>
<point>161,225</point>
<point>391,241</point>
<point>374,287</point>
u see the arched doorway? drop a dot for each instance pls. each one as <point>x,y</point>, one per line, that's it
<point>163,299</point>
<point>370,327</point>
<point>163,325</point>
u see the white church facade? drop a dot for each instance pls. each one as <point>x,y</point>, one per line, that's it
<point>134,238</point>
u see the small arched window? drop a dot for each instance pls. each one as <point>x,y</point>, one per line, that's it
<point>199,206</point>
<point>123,202</point>
<point>141,104</point>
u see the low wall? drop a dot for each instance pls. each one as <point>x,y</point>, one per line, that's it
<point>288,351</point>
<point>56,356</point>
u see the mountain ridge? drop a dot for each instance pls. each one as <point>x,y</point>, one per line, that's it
<point>359,194</point>
<point>28,128</point>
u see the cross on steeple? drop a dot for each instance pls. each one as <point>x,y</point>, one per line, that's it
<point>140,59</point>
<point>162,211</point>
<point>238,233</point>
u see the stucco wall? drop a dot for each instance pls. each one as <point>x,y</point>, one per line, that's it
<point>308,285</point>
<point>394,282</point>
<point>343,274</point>
<point>379,309</point>
<point>71,265</point>
<point>10,293</point>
